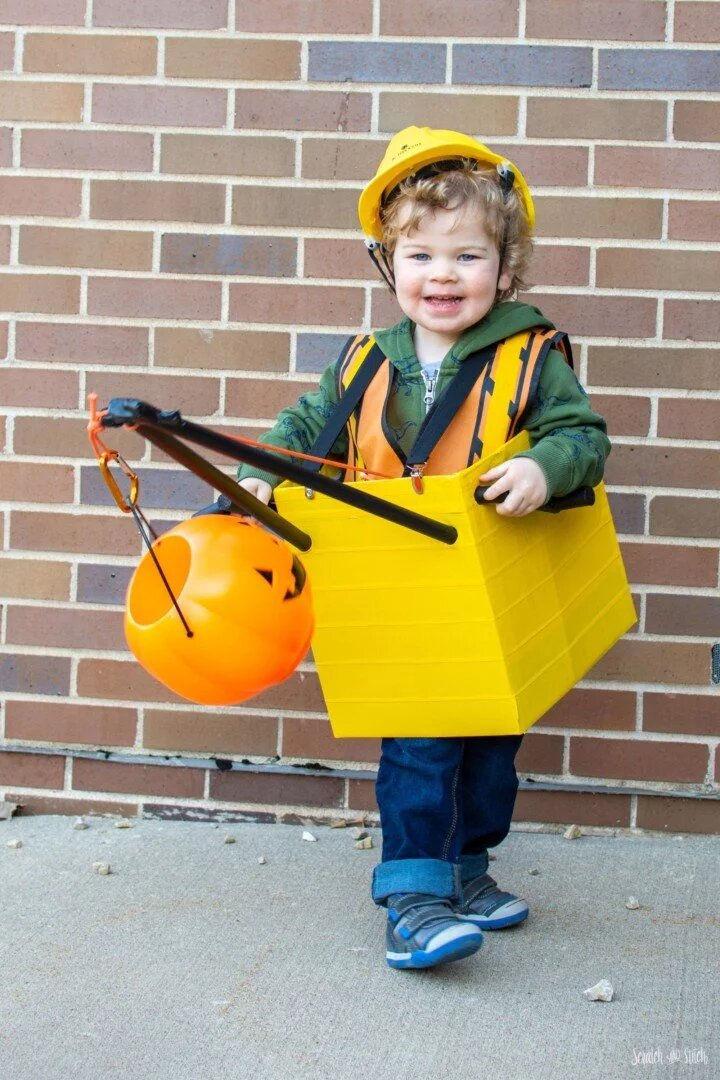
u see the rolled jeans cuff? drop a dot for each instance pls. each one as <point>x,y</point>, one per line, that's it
<point>433,876</point>
<point>472,866</point>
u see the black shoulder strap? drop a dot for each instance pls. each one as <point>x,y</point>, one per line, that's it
<point>440,415</point>
<point>345,407</point>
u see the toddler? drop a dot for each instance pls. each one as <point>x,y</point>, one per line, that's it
<point>452,223</point>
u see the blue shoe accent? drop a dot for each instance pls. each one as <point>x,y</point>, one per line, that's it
<point>485,905</point>
<point>424,930</point>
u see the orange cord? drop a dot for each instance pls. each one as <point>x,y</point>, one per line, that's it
<point>95,424</point>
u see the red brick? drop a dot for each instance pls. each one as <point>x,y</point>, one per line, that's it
<point>152,298</point>
<point>82,343</point>
<point>190,394</point>
<point>43,12</point>
<point>540,754</point>
<point>592,316</point>
<point>31,388</point>
<point>660,168</point>
<point>159,106</point>
<point>66,628</point>
<point>463,18</point>
<point>48,437</point>
<point>570,807</point>
<point>302,110</point>
<point>89,775</point>
<point>693,219</point>
<point>92,534</point>
<point>595,709</point>
<point>42,102</point>
<point>634,366</point>
<point>236,350</point>
<point>43,196</point>
<point>696,22</point>
<point>22,481</point>
<point>312,739</point>
<point>52,294</point>
<point>305,17</point>
<point>31,770</point>
<point>663,466</point>
<point>209,732</point>
<point>677,516</point>
<point>120,680</point>
<point>655,662</point>
<point>633,20</point>
<point>34,674</point>
<point>625,759</point>
<point>272,789</point>
<point>34,579</point>
<point>262,398</point>
<point>162,14</point>
<point>678,815</point>
<point>686,419</point>
<point>74,722</point>
<point>623,415</point>
<point>30,805</point>
<point>682,714</point>
<point>90,54</point>
<point>162,200</point>
<point>683,615</point>
<point>125,151</point>
<point>301,693</point>
<point>692,320</point>
<point>319,305</point>
<point>670,564</point>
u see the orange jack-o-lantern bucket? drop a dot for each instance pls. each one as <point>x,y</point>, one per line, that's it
<point>245,599</point>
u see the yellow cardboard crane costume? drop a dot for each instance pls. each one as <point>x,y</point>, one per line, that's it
<point>482,637</point>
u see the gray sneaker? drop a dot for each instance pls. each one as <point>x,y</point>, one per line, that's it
<point>424,930</point>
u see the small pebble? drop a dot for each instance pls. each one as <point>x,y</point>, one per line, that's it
<point>80,823</point>
<point>229,839</point>
<point>338,823</point>
<point>632,903</point>
<point>309,836</point>
<point>359,834</point>
<point>534,872</point>
<point>573,832</point>
<point>366,842</point>
<point>262,860</point>
<point>14,843</point>
<point>123,823</point>
<point>102,868</point>
<point>491,857</point>
<point>601,991</point>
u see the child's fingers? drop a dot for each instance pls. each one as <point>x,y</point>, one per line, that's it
<point>502,482</point>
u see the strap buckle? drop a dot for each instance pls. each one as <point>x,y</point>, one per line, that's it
<point>416,477</point>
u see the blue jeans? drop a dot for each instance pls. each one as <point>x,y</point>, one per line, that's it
<point>443,802</point>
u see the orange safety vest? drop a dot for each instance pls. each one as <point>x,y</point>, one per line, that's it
<point>487,418</point>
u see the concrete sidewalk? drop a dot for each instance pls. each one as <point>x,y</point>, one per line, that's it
<point>192,961</point>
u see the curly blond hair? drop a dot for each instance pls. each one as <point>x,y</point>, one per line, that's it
<point>462,183</point>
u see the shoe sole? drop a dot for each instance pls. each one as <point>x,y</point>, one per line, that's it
<point>425,958</point>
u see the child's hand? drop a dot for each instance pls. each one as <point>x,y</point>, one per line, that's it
<point>525,483</point>
<point>258,488</point>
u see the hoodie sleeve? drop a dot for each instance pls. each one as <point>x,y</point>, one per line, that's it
<point>568,440</point>
<point>298,426</point>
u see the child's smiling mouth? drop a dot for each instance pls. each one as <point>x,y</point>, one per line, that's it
<point>443,303</point>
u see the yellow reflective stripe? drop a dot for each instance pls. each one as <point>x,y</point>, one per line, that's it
<point>505,371</point>
<point>347,377</point>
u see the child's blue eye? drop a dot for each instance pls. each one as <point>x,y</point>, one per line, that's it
<point>423,255</point>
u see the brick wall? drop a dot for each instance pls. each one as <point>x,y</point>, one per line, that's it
<point>177,202</point>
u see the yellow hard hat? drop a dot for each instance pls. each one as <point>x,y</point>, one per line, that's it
<point>414,147</point>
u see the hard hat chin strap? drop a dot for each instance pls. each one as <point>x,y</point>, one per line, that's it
<point>386,271</point>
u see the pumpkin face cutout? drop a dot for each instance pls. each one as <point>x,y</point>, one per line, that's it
<point>245,598</point>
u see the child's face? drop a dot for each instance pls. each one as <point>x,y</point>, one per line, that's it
<point>449,256</point>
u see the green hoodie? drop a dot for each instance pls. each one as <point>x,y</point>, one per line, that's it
<point>568,440</point>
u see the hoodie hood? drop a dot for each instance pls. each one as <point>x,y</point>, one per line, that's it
<point>501,321</point>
